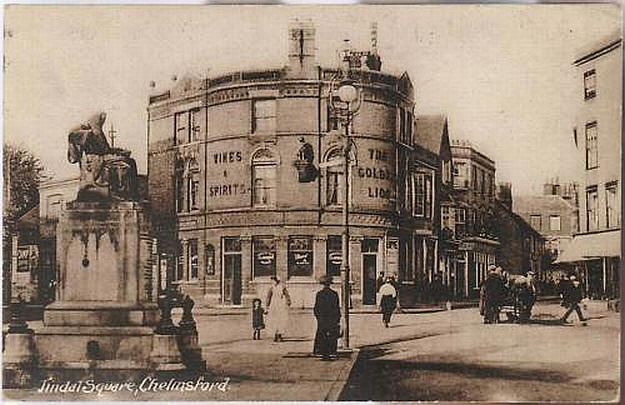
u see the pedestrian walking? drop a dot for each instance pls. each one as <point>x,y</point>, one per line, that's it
<point>388,301</point>
<point>278,303</point>
<point>572,298</point>
<point>328,314</point>
<point>258,317</point>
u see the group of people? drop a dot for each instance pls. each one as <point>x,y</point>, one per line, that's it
<point>327,311</point>
<point>518,293</point>
<point>499,290</point>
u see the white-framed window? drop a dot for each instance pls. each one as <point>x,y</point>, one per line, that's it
<point>592,209</point>
<point>460,221</point>
<point>181,127</point>
<point>335,178</point>
<point>536,222</point>
<point>612,208</point>
<point>592,150</point>
<point>264,115</point>
<point>194,126</point>
<point>461,179</point>
<point>264,168</point>
<point>423,191</point>
<point>447,213</point>
<point>590,84</point>
<point>555,223</point>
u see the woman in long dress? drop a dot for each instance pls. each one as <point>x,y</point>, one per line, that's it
<point>278,303</point>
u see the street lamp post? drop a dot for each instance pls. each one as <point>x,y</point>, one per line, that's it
<point>349,96</point>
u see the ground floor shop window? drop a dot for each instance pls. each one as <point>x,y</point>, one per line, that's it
<point>300,252</point>
<point>264,251</point>
<point>334,255</point>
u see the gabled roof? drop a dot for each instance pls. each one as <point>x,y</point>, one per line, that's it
<point>540,204</point>
<point>30,219</point>
<point>429,132</point>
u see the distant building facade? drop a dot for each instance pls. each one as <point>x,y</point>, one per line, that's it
<point>552,214</point>
<point>474,195</point>
<point>246,183</point>
<point>597,134</point>
<point>521,246</point>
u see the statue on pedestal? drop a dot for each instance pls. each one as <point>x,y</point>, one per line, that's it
<point>105,173</point>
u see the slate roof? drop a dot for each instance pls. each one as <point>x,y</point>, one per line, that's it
<point>540,204</point>
<point>429,132</point>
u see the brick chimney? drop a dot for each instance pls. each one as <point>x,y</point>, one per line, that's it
<point>302,63</point>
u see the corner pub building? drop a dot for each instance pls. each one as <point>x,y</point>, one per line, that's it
<point>243,185</point>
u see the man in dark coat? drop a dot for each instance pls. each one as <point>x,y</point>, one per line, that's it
<point>328,314</point>
<point>572,297</point>
<point>493,293</point>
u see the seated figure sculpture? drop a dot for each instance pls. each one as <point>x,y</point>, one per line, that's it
<point>106,173</point>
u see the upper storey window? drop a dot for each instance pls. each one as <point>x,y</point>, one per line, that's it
<point>264,168</point>
<point>187,126</point>
<point>181,127</point>
<point>405,126</point>
<point>592,150</point>
<point>590,84</point>
<point>264,116</point>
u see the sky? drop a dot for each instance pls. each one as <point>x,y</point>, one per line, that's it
<point>502,74</point>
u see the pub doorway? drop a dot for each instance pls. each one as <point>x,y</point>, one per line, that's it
<point>369,249</point>
<point>231,272</point>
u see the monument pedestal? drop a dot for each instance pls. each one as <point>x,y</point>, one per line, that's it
<point>102,323</point>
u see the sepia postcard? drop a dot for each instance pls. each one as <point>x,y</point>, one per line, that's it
<point>312,203</point>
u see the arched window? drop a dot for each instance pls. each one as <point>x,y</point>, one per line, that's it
<point>264,178</point>
<point>334,178</point>
<point>179,185</point>
<point>193,187</point>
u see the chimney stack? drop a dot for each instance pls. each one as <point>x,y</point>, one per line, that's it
<point>302,63</point>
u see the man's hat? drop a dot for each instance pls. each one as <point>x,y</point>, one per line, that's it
<point>325,280</point>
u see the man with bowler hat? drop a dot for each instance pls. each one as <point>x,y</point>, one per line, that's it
<point>328,314</point>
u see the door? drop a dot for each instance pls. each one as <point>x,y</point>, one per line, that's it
<point>231,284</point>
<point>369,278</point>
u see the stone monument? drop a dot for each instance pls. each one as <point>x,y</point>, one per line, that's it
<point>102,323</point>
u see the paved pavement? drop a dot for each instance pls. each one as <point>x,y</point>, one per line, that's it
<point>443,344</point>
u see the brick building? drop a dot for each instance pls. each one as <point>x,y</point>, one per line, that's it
<point>474,195</point>
<point>244,181</point>
<point>521,246</point>
<point>552,214</point>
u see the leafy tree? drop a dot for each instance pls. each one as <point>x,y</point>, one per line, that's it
<point>25,171</point>
<point>23,176</point>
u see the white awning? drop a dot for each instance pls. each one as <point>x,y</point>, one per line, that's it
<point>592,246</point>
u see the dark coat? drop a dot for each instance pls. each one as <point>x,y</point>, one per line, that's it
<point>573,294</point>
<point>328,314</point>
<point>258,318</point>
